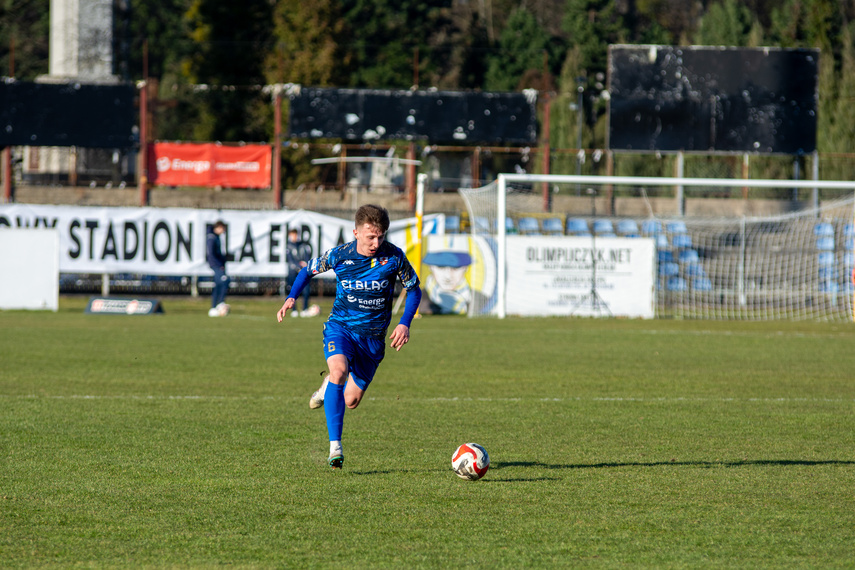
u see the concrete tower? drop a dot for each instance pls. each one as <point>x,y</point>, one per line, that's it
<point>81,40</point>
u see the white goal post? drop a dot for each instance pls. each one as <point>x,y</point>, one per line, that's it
<point>793,265</point>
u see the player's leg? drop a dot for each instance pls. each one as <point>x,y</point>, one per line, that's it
<point>334,407</point>
<point>337,349</point>
<point>363,365</point>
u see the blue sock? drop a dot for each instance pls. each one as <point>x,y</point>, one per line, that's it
<point>334,410</point>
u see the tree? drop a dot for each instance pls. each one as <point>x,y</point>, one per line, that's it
<point>592,25</point>
<point>158,26</point>
<point>227,58</point>
<point>25,25</point>
<point>469,46</point>
<point>306,47</point>
<point>727,23</point>
<point>521,49</point>
<point>382,50</point>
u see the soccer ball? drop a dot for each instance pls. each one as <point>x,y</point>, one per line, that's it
<point>470,461</point>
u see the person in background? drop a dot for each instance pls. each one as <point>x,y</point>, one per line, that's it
<point>216,257</point>
<point>298,253</point>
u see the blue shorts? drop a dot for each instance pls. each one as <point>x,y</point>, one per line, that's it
<point>363,354</point>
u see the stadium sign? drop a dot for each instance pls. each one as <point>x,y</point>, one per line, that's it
<point>578,276</point>
<point>171,241</point>
<point>210,165</point>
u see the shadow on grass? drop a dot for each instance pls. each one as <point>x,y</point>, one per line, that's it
<point>672,462</point>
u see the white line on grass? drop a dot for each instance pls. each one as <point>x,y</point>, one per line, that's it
<point>434,399</point>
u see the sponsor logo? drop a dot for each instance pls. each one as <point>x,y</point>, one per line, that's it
<point>165,164</point>
<point>355,285</point>
<point>348,262</point>
<point>367,304</point>
<point>372,303</point>
<point>238,166</point>
<point>121,306</point>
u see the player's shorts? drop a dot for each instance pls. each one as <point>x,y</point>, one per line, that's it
<point>363,354</point>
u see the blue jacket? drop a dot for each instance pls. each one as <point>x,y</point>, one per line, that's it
<point>215,255</point>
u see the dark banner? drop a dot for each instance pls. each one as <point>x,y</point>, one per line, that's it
<point>713,99</point>
<point>66,114</point>
<point>438,117</point>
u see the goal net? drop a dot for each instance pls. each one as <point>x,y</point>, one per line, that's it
<point>793,265</point>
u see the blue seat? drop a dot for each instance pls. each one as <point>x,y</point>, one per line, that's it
<point>681,241</point>
<point>662,241</point>
<point>650,227</point>
<point>627,227</point>
<point>452,224</point>
<point>823,229</point>
<point>510,226</point>
<point>528,226</point>
<point>482,224</point>
<point>825,258</point>
<point>677,284</point>
<point>602,227</point>
<point>849,259</point>
<point>577,226</point>
<point>663,255</point>
<point>677,227</point>
<point>694,270</point>
<point>669,268</point>
<point>553,226</point>
<point>825,244</point>
<point>827,273</point>
<point>701,284</point>
<point>828,287</point>
<point>688,256</point>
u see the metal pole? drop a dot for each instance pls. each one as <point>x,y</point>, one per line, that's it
<point>143,172</point>
<point>501,274</point>
<point>678,190</point>
<point>547,202</point>
<point>277,148</point>
<point>580,119</point>
<point>421,183</point>
<point>815,173</point>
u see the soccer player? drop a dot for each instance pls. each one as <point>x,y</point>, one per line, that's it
<point>366,270</point>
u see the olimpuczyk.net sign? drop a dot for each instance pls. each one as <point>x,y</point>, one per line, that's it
<point>171,241</point>
<point>555,276</point>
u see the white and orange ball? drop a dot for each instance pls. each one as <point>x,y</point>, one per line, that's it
<point>470,461</point>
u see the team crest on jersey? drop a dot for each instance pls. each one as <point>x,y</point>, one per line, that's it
<point>379,260</point>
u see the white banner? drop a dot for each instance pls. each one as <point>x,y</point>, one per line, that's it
<point>171,241</point>
<point>565,276</point>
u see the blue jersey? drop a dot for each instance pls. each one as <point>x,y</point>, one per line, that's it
<point>365,285</point>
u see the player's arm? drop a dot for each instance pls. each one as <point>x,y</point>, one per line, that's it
<point>302,280</point>
<point>401,335</point>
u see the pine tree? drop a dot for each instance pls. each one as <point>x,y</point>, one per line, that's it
<point>521,48</point>
<point>592,25</point>
<point>306,49</point>
<point>726,23</point>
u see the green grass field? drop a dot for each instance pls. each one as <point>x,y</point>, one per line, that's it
<point>184,441</point>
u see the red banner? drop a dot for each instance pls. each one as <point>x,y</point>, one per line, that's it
<point>210,165</point>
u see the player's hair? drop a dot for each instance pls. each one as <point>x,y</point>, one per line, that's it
<point>220,224</point>
<point>375,215</point>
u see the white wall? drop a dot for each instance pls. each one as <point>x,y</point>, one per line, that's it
<point>29,269</point>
